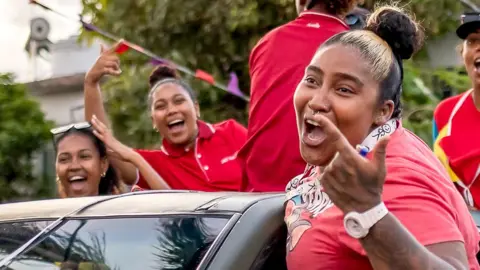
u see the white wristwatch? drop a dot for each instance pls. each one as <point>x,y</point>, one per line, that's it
<point>358,225</point>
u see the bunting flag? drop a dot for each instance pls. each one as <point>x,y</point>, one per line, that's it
<point>232,87</point>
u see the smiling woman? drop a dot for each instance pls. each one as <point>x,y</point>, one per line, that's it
<point>81,164</point>
<point>194,155</point>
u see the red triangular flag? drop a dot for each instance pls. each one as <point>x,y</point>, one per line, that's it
<point>202,75</point>
<point>122,48</point>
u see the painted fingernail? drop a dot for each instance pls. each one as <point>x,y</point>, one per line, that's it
<point>362,150</point>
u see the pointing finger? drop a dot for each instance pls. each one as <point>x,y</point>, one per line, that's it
<point>333,134</point>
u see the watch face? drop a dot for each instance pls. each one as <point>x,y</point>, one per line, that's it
<point>354,229</point>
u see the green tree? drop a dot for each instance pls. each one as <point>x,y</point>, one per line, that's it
<point>23,132</point>
<point>217,36</point>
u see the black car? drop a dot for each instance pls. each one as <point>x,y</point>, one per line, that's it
<point>146,230</point>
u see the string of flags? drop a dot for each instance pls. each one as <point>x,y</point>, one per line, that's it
<point>232,87</point>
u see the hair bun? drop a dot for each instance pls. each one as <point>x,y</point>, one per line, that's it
<point>162,72</point>
<point>398,29</point>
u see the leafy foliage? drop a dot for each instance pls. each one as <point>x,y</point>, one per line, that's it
<point>23,131</point>
<point>217,36</point>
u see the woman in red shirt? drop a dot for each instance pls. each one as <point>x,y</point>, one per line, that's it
<point>388,208</point>
<point>194,155</point>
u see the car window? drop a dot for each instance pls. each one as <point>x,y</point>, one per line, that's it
<point>15,234</point>
<point>167,242</point>
<point>273,254</point>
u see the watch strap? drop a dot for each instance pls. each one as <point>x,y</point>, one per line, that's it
<point>372,216</point>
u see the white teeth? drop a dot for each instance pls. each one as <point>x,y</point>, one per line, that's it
<point>175,122</point>
<point>313,123</point>
<point>75,178</point>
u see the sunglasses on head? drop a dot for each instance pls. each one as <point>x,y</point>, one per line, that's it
<point>470,17</point>
<point>77,126</point>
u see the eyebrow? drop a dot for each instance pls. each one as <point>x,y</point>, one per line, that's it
<point>314,69</point>
<point>350,78</point>
<point>79,151</point>
<point>337,74</point>
<point>165,100</point>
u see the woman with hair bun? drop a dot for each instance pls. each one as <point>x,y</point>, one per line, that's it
<point>374,195</point>
<point>277,63</point>
<point>194,155</point>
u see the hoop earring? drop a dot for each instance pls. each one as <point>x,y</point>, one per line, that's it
<point>103,174</point>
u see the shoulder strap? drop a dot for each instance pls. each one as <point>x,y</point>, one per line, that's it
<point>457,107</point>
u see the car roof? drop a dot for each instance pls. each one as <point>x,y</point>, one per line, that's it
<point>137,203</point>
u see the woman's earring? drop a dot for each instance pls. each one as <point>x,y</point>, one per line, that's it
<point>57,180</point>
<point>103,174</point>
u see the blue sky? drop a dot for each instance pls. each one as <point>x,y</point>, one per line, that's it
<point>15,16</point>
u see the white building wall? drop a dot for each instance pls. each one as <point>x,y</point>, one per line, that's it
<point>442,51</point>
<point>60,107</point>
<point>69,57</point>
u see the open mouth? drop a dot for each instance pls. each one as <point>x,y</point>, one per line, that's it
<point>176,125</point>
<point>476,63</point>
<point>313,134</point>
<point>77,178</point>
<point>78,183</point>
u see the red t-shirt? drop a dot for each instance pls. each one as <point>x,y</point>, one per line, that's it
<point>417,191</point>
<point>212,165</point>
<point>462,147</point>
<point>271,155</point>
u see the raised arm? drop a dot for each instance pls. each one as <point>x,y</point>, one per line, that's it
<point>123,152</point>
<point>107,63</point>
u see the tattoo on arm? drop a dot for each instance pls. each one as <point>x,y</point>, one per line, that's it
<point>389,245</point>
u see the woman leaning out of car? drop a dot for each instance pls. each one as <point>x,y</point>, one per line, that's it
<point>81,161</point>
<point>194,155</point>
<point>361,204</point>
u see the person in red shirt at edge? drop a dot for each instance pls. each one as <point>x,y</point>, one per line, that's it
<point>277,63</point>
<point>194,155</point>
<point>456,120</point>
<point>361,204</point>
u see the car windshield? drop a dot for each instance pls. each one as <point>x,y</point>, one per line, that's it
<point>166,242</point>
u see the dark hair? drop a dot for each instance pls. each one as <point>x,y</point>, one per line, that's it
<point>110,181</point>
<point>390,36</point>
<point>166,74</point>
<point>334,7</point>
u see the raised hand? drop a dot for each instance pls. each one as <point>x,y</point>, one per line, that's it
<point>352,182</point>
<point>108,63</point>
<point>102,132</point>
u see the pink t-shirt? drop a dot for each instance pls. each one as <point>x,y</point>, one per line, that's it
<point>417,191</point>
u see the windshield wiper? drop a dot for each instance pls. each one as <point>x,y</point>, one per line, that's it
<point>8,260</point>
